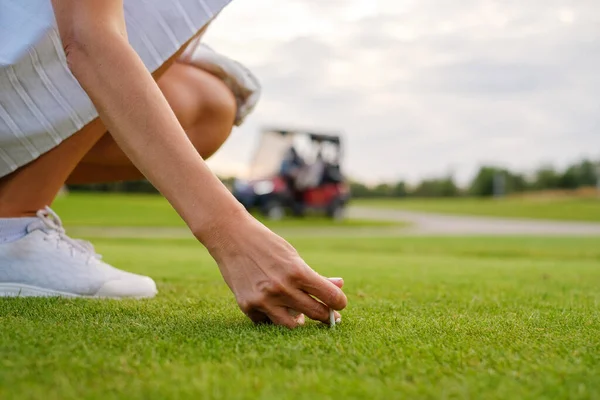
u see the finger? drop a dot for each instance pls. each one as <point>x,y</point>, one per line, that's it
<point>302,320</point>
<point>312,308</point>
<point>258,317</point>
<point>293,312</point>
<point>324,290</point>
<point>339,282</point>
<point>280,316</point>
<point>299,317</point>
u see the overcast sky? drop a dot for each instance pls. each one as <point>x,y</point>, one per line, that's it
<point>422,87</point>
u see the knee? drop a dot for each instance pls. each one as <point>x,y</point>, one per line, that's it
<point>215,116</point>
<point>217,104</point>
<point>204,105</point>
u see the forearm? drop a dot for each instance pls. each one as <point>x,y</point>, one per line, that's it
<point>142,123</point>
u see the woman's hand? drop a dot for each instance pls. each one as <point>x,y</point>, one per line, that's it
<point>270,281</point>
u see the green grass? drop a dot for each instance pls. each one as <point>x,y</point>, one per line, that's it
<point>573,209</point>
<point>79,209</point>
<point>427,318</point>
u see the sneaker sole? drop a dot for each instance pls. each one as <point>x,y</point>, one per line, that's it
<point>19,290</point>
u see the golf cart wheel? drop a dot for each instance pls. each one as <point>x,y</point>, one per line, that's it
<point>337,211</point>
<point>298,210</point>
<point>274,211</point>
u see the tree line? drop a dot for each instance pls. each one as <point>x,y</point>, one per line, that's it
<point>489,181</point>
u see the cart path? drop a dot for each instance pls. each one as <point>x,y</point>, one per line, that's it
<point>444,224</point>
<point>420,224</point>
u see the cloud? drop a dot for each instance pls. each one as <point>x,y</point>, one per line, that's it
<point>419,87</point>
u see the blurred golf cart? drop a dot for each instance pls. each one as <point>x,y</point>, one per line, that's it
<point>295,172</point>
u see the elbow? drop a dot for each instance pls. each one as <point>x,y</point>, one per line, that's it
<point>85,49</point>
<point>81,48</point>
<point>76,56</point>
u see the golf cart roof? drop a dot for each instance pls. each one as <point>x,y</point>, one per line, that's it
<point>275,143</point>
<point>316,137</point>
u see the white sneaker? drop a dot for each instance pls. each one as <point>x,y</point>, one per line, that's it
<point>46,262</point>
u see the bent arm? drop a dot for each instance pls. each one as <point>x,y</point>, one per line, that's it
<point>137,114</point>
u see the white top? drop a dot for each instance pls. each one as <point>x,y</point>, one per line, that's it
<point>22,24</point>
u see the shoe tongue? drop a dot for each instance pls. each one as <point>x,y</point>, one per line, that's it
<point>36,226</point>
<point>80,245</point>
<point>42,225</point>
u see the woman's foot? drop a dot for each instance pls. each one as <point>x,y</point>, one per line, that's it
<point>46,262</point>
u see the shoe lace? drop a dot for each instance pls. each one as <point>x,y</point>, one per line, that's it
<point>51,224</point>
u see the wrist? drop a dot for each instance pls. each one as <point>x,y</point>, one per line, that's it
<point>216,231</point>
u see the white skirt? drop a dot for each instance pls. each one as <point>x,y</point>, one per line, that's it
<point>41,103</point>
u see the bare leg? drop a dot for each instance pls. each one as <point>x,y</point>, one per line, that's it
<point>204,106</point>
<point>35,185</point>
